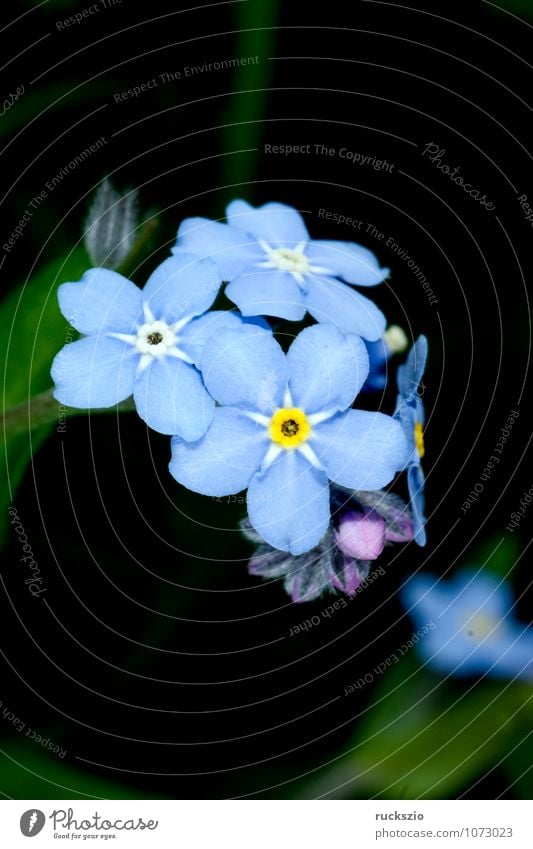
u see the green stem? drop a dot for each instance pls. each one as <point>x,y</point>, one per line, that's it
<point>255,41</point>
<point>43,409</point>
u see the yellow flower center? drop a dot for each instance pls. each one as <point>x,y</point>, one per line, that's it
<point>419,439</point>
<point>289,427</point>
<point>481,625</point>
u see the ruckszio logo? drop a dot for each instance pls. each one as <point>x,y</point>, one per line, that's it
<point>32,822</point>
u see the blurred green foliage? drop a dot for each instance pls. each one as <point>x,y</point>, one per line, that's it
<point>429,738</point>
<point>524,7</point>
<point>255,37</point>
<point>28,773</point>
<point>32,330</point>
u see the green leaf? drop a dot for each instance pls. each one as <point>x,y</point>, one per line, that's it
<point>519,768</point>
<point>497,555</point>
<point>27,772</point>
<point>423,737</point>
<point>32,330</point>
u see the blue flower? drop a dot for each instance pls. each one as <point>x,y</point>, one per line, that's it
<point>274,268</point>
<point>475,630</point>
<point>411,415</point>
<point>284,427</point>
<point>393,341</point>
<point>142,342</point>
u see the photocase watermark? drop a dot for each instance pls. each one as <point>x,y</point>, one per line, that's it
<point>185,73</point>
<point>11,99</point>
<point>392,659</point>
<point>240,499</point>
<point>491,463</point>
<point>339,604</point>
<point>517,516</point>
<point>369,229</point>
<point>400,253</point>
<point>355,157</point>
<point>39,198</point>
<point>526,208</point>
<point>65,819</point>
<point>32,822</point>
<point>34,581</point>
<point>435,153</point>
<point>88,12</point>
<point>62,411</point>
<point>341,218</point>
<point>19,725</point>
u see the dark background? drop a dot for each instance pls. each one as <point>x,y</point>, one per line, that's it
<point>153,657</point>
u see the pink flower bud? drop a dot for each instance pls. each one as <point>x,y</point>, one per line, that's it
<point>361,535</point>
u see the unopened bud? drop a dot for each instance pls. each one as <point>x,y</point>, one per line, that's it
<point>396,339</point>
<point>361,535</point>
<point>110,228</point>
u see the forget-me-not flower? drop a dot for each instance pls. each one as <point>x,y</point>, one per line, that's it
<point>145,343</point>
<point>275,269</point>
<point>476,631</point>
<point>410,413</point>
<point>284,427</point>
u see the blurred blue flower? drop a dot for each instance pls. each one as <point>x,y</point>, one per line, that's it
<point>411,415</point>
<point>274,268</point>
<point>284,427</point>
<point>393,341</point>
<point>476,632</point>
<point>142,342</point>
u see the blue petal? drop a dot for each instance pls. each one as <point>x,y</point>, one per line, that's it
<point>102,300</point>
<point>407,415</point>
<point>96,371</point>
<point>424,597</point>
<point>275,223</point>
<point>378,355</point>
<point>354,263</point>
<point>231,249</point>
<point>194,335</point>
<point>267,292</point>
<point>223,461</point>
<point>333,302</point>
<point>245,368</point>
<point>288,503</point>
<point>474,589</point>
<point>327,368</point>
<point>182,285</point>
<point>171,398</point>
<point>415,485</point>
<point>411,373</point>
<point>359,449</point>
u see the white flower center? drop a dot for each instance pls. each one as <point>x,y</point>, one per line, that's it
<point>155,338</point>
<point>292,260</point>
<point>287,259</point>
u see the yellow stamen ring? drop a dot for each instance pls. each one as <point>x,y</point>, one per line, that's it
<point>419,439</point>
<point>289,427</point>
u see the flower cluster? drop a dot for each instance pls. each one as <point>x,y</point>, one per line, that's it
<point>245,413</point>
